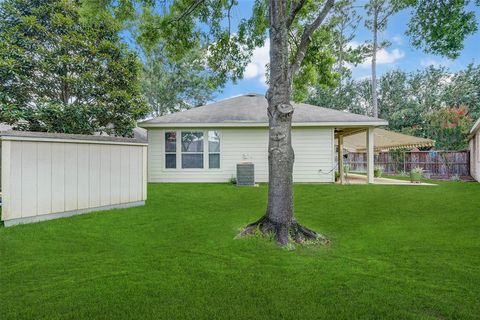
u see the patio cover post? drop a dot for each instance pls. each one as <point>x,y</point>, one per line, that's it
<point>340,159</point>
<point>370,154</point>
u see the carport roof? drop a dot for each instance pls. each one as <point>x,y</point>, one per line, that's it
<point>385,140</point>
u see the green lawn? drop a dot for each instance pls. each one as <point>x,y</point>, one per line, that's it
<point>397,252</point>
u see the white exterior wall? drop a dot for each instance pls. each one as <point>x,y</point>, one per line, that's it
<point>314,155</point>
<point>475,156</point>
<point>44,179</point>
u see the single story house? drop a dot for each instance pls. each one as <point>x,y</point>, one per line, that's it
<point>474,143</point>
<point>205,144</point>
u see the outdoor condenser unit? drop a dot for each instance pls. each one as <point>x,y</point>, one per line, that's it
<point>245,174</point>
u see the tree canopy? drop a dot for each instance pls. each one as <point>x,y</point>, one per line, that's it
<point>427,103</point>
<point>169,86</point>
<point>61,74</point>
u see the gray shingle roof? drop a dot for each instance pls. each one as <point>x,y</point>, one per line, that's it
<point>252,109</point>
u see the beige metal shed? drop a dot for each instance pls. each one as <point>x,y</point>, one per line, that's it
<point>49,175</point>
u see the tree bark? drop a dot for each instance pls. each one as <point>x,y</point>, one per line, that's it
<point>280,112</point>
<point>279,217</point>
<point>374,64</point>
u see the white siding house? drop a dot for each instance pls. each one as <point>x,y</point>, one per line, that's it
<point>474,144</point>
<point>205,144</point>
<point>313,152</point>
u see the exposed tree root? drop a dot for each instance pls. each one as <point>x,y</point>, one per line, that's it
<point>283,233</point>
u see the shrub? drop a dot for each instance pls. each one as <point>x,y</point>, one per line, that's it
<point>456,178</point>
<point>416,174</point>
<point>377,171</point>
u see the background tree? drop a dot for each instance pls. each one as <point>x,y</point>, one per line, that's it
<point>379,11</point>
<point>62,75</point>
<point>449,127</point>
<point>340,93</point>
<point>169,86</point>
<point>464,90</point>
<point>417,103</point>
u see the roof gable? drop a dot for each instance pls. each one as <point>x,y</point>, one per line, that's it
<point>252,109</point>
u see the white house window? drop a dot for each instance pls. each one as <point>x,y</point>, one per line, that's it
<point>192,150</point>
<point>213,150</point>
<point>170,150</point>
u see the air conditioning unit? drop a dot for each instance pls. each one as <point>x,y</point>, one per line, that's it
<point>245,174</point>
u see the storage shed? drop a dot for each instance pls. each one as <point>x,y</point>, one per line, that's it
<point>48,175</point>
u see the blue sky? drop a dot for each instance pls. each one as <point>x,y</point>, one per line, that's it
<point>400,55</point>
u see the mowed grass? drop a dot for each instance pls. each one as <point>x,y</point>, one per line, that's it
<point>397,252</point>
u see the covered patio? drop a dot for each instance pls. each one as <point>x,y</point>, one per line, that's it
<point>371,140</point>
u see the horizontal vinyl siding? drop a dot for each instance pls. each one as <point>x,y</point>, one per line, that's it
<point>313,156</point>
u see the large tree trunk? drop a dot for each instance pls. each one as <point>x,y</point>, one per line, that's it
<point>280,112</point>
<point>279,218</point>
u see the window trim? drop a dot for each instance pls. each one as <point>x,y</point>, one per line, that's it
<point>165,152</point>
<point>192,152</point>
<point>216,152</point>
<point>206,150</point>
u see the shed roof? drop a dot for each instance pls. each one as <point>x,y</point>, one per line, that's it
<point>30,135</point>
<point>251,110</point>
<point>385,140</point>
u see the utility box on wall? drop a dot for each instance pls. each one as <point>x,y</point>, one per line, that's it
<point>245,174</point>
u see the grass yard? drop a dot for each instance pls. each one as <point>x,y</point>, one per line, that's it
<point>397,252</point>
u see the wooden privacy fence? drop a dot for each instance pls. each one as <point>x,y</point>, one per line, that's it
<point>441,164</point>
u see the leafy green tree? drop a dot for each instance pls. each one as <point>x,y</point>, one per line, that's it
<point>449,127</point>
<point>350,95</point>
<point>464,90</point>
<point>440,26</point>
<point>379,11</point>
<point>343,33</point>
<point>340,93</point>
<point>62,75</point>
<point>170,85</point>
<point>428,86</point>
<point>294,28</point>
<point>397,102</point>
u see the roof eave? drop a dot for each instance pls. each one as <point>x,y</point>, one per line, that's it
<point>350,124</point>
<point>475,128</point>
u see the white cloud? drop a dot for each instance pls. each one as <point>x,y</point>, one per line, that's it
<point>365,77</point>
<point>397,39</point>
<point>427,62</point>
<point>384,56</point>
<point>257,67</point>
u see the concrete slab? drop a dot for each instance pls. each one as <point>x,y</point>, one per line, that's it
<point>362,179</point>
